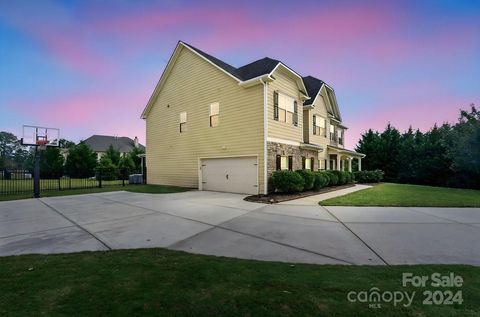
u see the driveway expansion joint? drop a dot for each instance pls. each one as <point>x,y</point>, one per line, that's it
<point>75,224</point>
<point>213,226</point>
<point>356,235</point>
<point>452,221</point>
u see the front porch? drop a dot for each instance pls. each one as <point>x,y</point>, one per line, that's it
<point>341,159</point>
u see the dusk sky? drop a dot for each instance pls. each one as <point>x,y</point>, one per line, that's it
<point>89,67</point>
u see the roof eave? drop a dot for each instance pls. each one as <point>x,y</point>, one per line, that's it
<point>303,89</point>
<point>265,78</point>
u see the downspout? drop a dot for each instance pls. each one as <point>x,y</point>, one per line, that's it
<point>265,135</point>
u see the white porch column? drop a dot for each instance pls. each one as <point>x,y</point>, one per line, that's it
<point>327,166</point>
<point>359,163</point>
<point>350,164</point>
<point>338,162</point>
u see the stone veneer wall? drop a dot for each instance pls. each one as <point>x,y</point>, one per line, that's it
<point>274,149</point>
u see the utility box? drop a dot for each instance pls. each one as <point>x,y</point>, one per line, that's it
<point>135,179</point>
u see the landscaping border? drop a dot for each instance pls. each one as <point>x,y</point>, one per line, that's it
<point>281,197</point>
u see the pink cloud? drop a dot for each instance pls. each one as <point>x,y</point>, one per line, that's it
<point>87,113</point>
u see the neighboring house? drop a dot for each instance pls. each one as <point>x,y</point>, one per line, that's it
<point>216,127</point>
<point>100,143</point>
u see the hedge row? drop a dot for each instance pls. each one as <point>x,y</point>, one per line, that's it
<point>369,176</point>
<point>302,180</point>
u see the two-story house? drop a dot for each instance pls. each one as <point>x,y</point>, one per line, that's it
<point>216,127</point>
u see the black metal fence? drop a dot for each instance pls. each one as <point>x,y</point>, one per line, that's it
<point>20,182</point>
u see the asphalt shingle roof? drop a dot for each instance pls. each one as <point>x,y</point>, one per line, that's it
<point>257,68</point>
<point>100,143</point>
<point>260,67</point>
<point>313,86</point>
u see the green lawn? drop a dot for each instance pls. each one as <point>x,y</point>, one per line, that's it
<point>159,282</point>
<point>389,194</point>
<point>149,189</point>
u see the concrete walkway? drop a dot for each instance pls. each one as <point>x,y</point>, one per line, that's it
<point>313,200</point>
<point>224,224</point>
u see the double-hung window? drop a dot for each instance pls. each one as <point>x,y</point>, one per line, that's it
<point>282,162</point>
<point>318,124</point>
<point>308,164</point>
<point>332,132</point>
<point>183,122</point>
<point>323,127</point>
<point>214,113</point>
<point>341,136</point>
<point>285,108</point>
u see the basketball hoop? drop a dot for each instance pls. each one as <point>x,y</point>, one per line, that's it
<point>42,144</point>
<point>40,138</point>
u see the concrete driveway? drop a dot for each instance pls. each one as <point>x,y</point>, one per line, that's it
<point>226,225</point>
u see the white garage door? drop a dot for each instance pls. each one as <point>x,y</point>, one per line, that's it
<point>233,175</point>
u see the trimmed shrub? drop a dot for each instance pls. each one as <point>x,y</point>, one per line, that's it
<point>287,181</point>
<point>321,180</point>
<point>352,177</point>
<point>327,177</point>
<point>342,177</point>
<point>333,178</point>
<point>369,176</point>
<point>309,178</point>
<point>348,177</point>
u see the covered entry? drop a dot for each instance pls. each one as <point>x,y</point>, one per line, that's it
<point>230,174</point>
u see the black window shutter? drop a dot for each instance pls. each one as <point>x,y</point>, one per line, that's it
<point>295,113</point>
<point>275,105</point>
<point>279,162</point>
<point>312,163</point>
<point>303,162</point>
<point>290,163</point>
<point>314,124</point>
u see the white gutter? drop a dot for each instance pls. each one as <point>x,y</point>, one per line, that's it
<point>252,81</point>
<point>265,134</point>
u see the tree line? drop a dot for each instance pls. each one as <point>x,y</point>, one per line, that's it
<point>446,155</point>
<point>80,162</point>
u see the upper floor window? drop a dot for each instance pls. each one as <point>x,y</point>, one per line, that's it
<point>214,113</point>
<point>183,122</point>
<point>341,133</point>
<point>323,127</point>
<point>285,108</point>
<point>332,133</point>
<point>319,126</point>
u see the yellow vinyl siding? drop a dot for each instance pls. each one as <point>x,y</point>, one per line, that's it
<point>192,86</point>
<point>284,84</point>
<point>320,110</point>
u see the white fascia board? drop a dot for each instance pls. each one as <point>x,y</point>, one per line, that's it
<point>300,79</point>
<point>210,62</point>
<point>165,72</point>
<point>256,80</point>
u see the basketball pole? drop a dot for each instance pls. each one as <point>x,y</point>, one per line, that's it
<point>36,174</point>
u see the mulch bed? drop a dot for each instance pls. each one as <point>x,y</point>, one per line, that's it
<point>274,198</point>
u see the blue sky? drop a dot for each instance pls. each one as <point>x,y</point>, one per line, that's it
<point>89,67</point>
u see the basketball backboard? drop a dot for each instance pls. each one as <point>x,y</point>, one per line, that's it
<point>40,136</point>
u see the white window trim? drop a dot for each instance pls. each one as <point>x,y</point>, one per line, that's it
<point>285,107</point>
